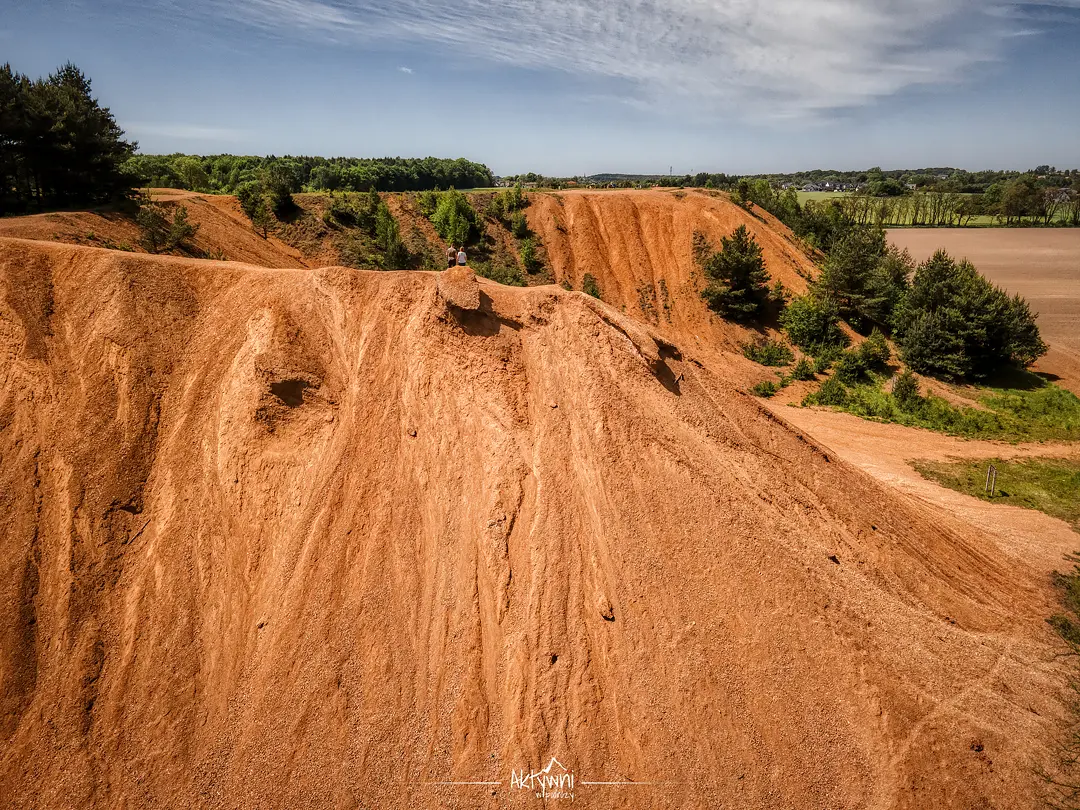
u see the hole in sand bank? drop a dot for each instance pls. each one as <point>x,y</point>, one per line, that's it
<point>291,392</point>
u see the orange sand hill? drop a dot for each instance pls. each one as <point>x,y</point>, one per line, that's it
<point>293,538</point>
<point>224,230</point>
<point>639,247</point>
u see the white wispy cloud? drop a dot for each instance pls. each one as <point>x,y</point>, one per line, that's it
<point>407,70</point>
<point>776,58</point>
<point>187,132</point>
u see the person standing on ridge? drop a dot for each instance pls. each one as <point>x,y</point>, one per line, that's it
<point>461,258</point>
<point>451,256</point>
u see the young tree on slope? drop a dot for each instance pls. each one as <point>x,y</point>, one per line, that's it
<point>737,279</point>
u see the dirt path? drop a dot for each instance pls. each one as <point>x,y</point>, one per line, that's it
<point>886,452</point>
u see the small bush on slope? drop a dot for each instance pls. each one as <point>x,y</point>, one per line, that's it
<point>810,321</point>
<point>737,285</point>
<point>803,371</point>
<point>768,352</point>
<point>765,389</point>
<point>503,273</point>
<point>589,286</point>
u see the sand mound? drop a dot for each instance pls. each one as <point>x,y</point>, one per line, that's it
<point>291,538</point>
<point>638,245</point>
<point>224,230</point>
<point>459,288</point>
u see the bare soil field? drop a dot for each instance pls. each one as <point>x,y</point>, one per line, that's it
<point>1042,264</point>
<point>294,537</point>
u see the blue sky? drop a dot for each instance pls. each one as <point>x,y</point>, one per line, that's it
<point>580,86</point>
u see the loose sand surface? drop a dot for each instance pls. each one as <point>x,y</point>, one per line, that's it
<point>1042,264</point>
<point>331,538</point>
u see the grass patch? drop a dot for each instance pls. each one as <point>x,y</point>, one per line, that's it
<point>1037,414</point>
<point>1048,485</point>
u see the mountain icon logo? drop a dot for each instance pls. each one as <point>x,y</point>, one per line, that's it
<point>554,781</point>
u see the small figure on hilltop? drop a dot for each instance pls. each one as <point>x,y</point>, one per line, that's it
<point>451,256</point>
<point>461,258</point>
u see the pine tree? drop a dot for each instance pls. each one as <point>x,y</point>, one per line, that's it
<point>58,146</point>
<point>738,281</point>
<point>954,323</point>
<point>153,225</point>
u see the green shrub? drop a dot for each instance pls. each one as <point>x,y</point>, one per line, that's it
<point>779,295</point>
<point>824,356</point>
<point>851,367</point>
<point>502,272</point>
<point>765,389</point>
<point>277,186</point>
<point>454,218</point>
<point>875,351</point>
<point>906,391</point>
<point>388,238</point>
<point>737,285</point>
<point>181,232</point>
<point>261,202</point>
<point>342,211</point>
<point>1048,413</point>
<point>810,321</point>
<point>427,202</point>
<point>589,286</point>
<point>519,226</point>
<point>769,352</point>
<point>530,258</point>
<point>513,199</point>
<point>831,392</point>
<point>803,371</point>
<point>153,226</point>
<point>367,216</point>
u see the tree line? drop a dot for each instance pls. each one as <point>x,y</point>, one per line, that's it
<point>58,146</point>
<point>1021,202</point>
<point>225,174</point>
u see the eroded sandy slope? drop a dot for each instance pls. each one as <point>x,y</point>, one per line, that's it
<point>283,538</point>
